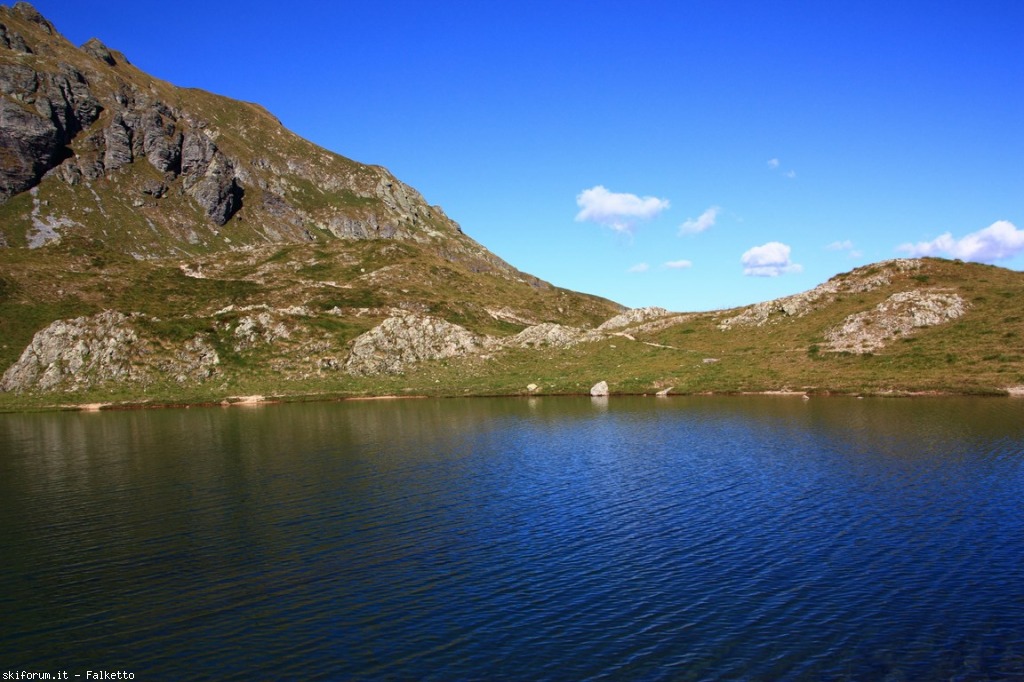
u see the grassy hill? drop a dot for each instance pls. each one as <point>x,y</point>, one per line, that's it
<point>787,345</point>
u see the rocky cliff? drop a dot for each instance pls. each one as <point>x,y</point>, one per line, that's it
<point>115,155</point>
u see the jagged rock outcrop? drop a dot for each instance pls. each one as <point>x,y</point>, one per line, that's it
<point>404,340</point>
<point>859,280</point>
<point>633,316</point>
<point>40,114</point>
<point>89,351</point>
<point>100,51</point>
<point>76,354</point>
<point>551,334</point>
<point>263,328</point>
<point>506,314</point>
<point>899,315</point>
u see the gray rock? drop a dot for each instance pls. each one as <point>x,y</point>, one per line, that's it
<point>19,81</point>
<point>30,13</point>
<point>549,334</point>
<point>367,226</point>
<point>117,138</point>
<point>396,343</point>
<point>161,142</point>
<point>154,188</point>
<point>633,316</point>
<point>197,150</point>
<point>218,194</point>
<point>32,146</point>
<point>41,114</point>
<point>253,330</point>
<point>209,177</point>
<point>859,280</point>
<point>897,316</point>
<point>76,354</point>
<point>599,389</point>
<point>195,362</point>
<point>98,50</point>
<point>12,40</point>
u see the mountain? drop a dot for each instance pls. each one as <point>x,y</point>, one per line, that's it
<point>163,245</point>
<point>201,222</point>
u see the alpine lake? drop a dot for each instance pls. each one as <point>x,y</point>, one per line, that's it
<point>633,538</point>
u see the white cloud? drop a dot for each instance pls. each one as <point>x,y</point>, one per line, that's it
<point>678,264</point>
<point>844,245</point>
<point>639,267</point>
<point>773,163</point>
<point>701,223</point>
<point>617,210</point>
<point>769,260</point>
<point>790,174</point>
<point>998,241</point>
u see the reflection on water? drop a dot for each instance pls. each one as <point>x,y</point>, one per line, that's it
<point>540,538</point>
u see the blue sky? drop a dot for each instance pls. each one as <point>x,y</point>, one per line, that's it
<point>692,155</point>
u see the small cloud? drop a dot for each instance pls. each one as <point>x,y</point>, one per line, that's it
<point>844,245</point>
<point>769,260</point>
<point>701,223</point>
<point>775,164</point>
<point>678,264</point>
<point>998,241</point>
<point>639,267</point>
<point>618,210</point>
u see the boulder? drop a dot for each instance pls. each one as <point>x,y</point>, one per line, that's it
<point>599,389</point>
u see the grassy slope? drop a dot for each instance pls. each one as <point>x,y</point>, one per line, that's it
<point>348,286</point>
<point>978,353</point>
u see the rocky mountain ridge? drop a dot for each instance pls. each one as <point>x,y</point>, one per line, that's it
<point>113,154</point>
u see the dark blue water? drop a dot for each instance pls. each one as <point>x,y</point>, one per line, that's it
<point>558,539</point>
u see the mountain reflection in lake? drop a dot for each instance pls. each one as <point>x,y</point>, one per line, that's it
<point>542,538</point>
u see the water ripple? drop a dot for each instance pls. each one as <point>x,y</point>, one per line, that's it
<point>685,540</point>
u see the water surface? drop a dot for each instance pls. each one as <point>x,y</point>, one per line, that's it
<point>683,538</point>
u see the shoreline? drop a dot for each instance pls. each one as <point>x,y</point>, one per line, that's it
<point>259,400</point>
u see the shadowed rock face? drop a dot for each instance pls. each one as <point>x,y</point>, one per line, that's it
<point>47,112</point>
<point>40,114</point>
